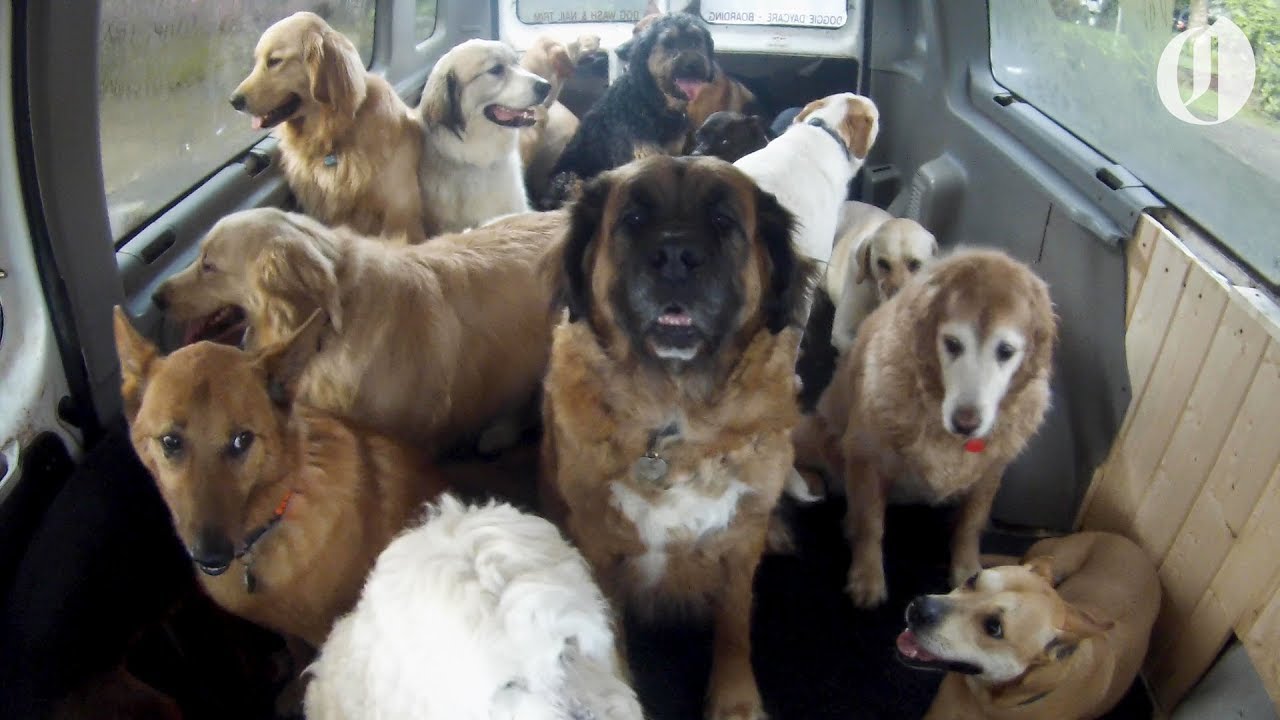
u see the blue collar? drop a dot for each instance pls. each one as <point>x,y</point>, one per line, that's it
<point>823,126</point>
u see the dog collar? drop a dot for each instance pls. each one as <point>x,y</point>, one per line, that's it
<point>651,468</point>
<point>823,126</point>
<point>975,445</point>
<point>251,540</point>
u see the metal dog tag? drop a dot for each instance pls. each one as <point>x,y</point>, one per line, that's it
<point>650,468</point>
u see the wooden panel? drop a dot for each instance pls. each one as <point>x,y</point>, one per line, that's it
<point>1138,260</point>
<point>1261,641</point>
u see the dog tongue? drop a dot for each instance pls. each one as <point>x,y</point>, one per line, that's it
<point>257,122</point>
<point>690,88</point>
<point>975,445</point>
<point>506,114</point>
<point>910,648</point>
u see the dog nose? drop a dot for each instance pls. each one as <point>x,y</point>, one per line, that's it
<point>924,612</point>
<point>238,102</point>
<point>541,89</point>
<point>965,420</point>
<point>213,551</point>
<point>676,261</point>
<point>160,300</point>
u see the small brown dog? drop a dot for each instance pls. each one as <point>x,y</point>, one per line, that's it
<point>282,507</point>
<point>542,142</point>
<point>429,343</point>
<point>1060,637</point>
<point>349,146</point>
<point>943,387</point>
<point>670,395</point>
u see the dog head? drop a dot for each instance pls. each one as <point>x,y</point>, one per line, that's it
<point>677,53</point>
<point>894,253</point>
<point>550,59</point>
<point>1000,625</point>
<point>588,57</point>
<point>479,81</point>
<point>986,329</point>
<point>209,421</point>
<point>671,259</point>
<point>301,67</point>
<point>852,117</point>
<point>729,135</point>
<point>273,265</point>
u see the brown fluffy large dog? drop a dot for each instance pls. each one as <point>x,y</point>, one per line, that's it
<point>283,508</point>
<point>428,343</point>
<point>349,146</point>
<point>943,387</point>
<point>670,394</point>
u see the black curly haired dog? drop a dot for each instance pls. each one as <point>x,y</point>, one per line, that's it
<point>643,112</point>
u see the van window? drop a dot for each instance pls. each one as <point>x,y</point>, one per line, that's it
<point>1095,68</point>
<point>166,69</point>
<point>537,12</point>
<point>424,20</point>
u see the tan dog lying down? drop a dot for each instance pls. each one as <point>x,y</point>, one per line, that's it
<point>875,270</point>
<point>429,343</point>
<point>1060,637</point>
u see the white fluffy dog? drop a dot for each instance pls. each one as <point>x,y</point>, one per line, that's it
<point>480,613</point>
<point>475,101</point>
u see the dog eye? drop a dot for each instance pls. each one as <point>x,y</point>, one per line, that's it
<point>273,61</point>
<point>171,443</point>
<point>1004,351</point>
<point>635,218</point>
<point>883,264</point>
<point>722,222</point>
<point>206,266</point>
<point>953,346</point>
<point>497,70</point>
<point>913,265</point>
<point>992,626</point>
<point>240,443</point>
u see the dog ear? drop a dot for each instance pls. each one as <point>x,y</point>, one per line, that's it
<point>294,277</point>
<point>1078,627</point>
<point>789,274</point>
<point>335,69</point>
<point>863,260</point>
<point>282,363</point>
<point>623,51</point>
<point>442,102</point>
<point>562,65</point>
<point>137,356</point>
<point>1042,335</point>
<point>860,126</point>
<point>1042,566</point>
<point>585,218</point>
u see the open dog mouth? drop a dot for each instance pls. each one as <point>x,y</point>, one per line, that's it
<point>279,115</point>
<point>225,325</point>
<point>509,116</point>
<point>674,335</point>
<point>689,88</point>
<point>913,654</point>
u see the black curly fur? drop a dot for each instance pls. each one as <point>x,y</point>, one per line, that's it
<point>632,112</point>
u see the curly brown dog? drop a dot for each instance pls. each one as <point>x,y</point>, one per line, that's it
<point>943,387</point>
<point>349,146</point>
<point>670,395</point>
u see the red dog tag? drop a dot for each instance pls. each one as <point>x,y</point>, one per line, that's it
<point>976,445</point>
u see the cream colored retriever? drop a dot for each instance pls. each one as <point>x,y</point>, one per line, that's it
<point>876,270</point>
<point>943,387</point>
<point>349,146</point>
<point>428,343</point>
<point>554,124</point>
<point>475,101</point>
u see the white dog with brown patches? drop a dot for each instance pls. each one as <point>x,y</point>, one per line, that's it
<point>808,167</point>
<point>475,101</point>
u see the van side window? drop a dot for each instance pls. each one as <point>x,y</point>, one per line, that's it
<point>167,69</point>
<point>424,20</point>
<point>1208,143</point>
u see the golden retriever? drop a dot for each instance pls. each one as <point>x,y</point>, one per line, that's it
<point>943,387</point>
<point>349,146</point>
<point>282,507</point>
<point>875,270</point>
<point>670,394</point>
<point>475,101</point>
<point>542,142</point>
<point>1061,635</point>
<point>428,343</point>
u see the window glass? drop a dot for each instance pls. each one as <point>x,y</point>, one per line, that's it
<point>579,11</point>
<point>166,69</point>
<point>1097,67</point>
<point>424,20</point>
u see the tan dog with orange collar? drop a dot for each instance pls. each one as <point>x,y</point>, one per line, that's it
<point>1060,637</point>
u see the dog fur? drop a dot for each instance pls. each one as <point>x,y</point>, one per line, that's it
<point>858,220</point>
<point>809,170</point>
<point>729,135</point>
<point>903,404</point>
<point>478,613</point>
<point>876,269</point>
<point>643,112</point>
<point>684,294</point>
<point>229,450</point>
<point>351,148</point>
<point>1071,628</point>
<point>474,103</point>
<point>428,343</point>
<point>542,143</point>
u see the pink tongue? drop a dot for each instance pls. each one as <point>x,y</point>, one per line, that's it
<point>910,648</point>
<point>690,88</point>
<point>675,320</point>
<point>257,122</point>
<point>506,114</point>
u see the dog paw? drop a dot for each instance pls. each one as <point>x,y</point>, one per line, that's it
<point>800,489</point>
<point>736,708</point>
<point>867,586</point>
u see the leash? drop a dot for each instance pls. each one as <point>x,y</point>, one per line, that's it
<point>823,126</point>
<point>251,540</point>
